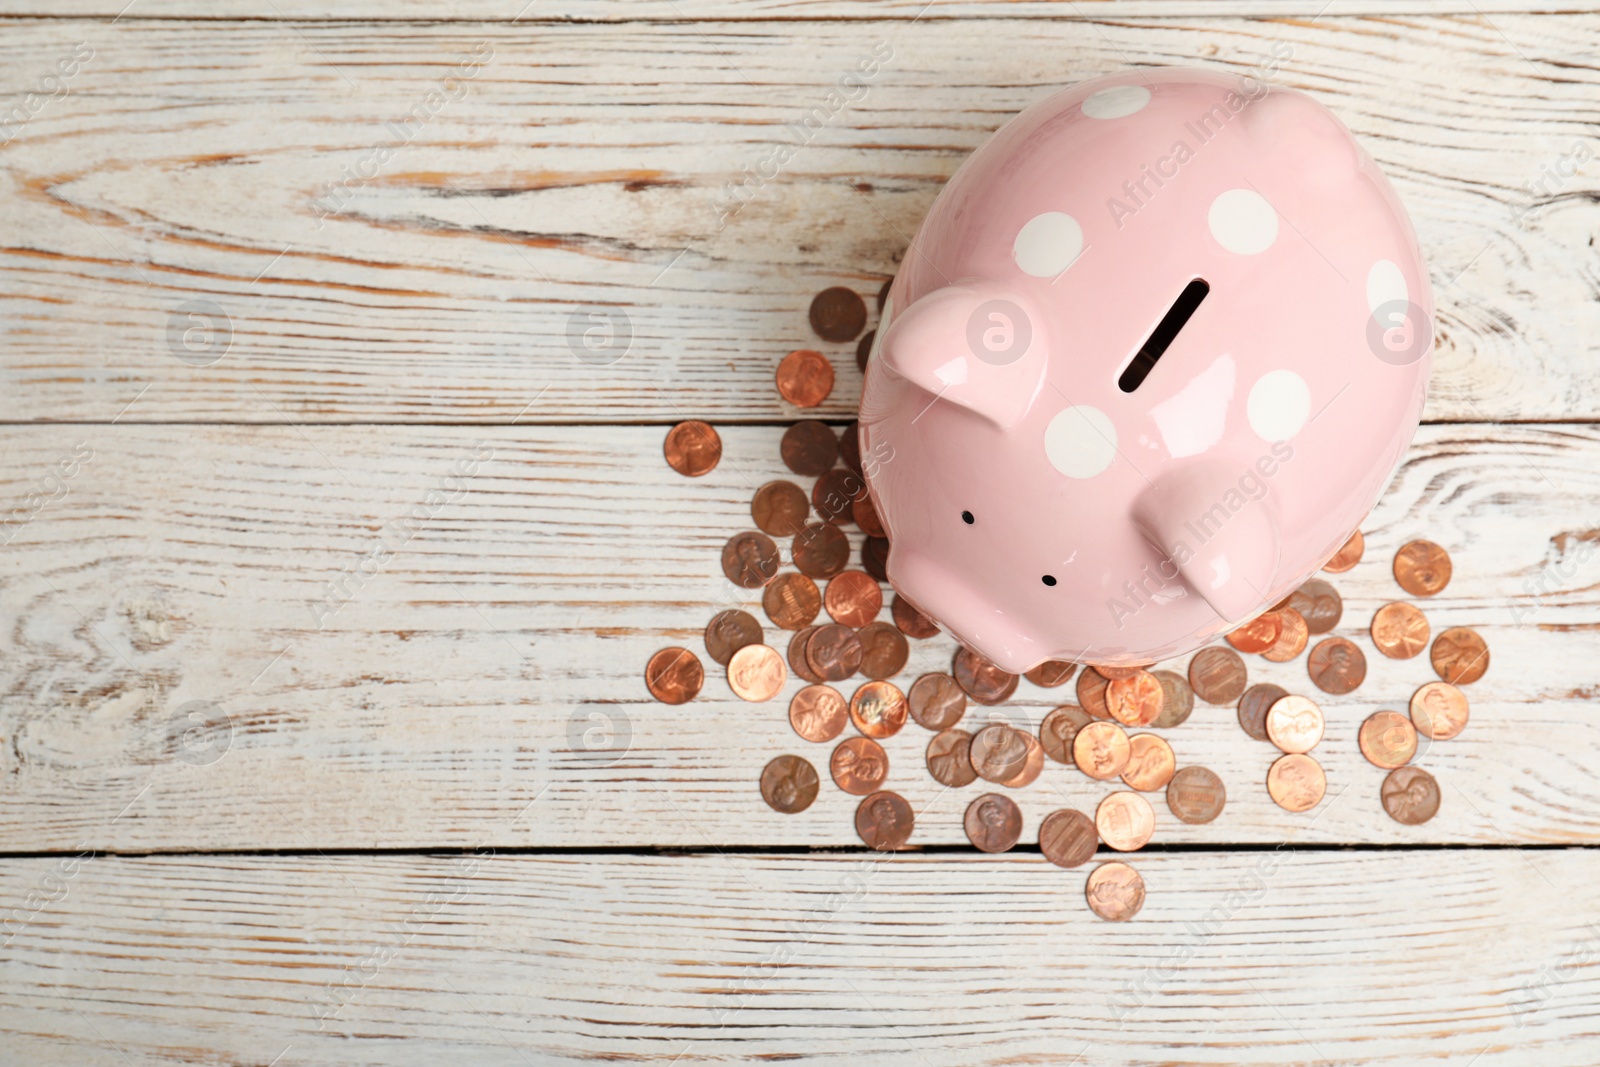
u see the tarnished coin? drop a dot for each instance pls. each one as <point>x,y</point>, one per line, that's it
<point>834,493</point>
<point>1296,782</point>
<point>878,709</point>
<point>983,681</point>
<point>1100,750</point>
<point>1255,704</point>
<point>1125,821</point>
<point>1111,674</point>
<point>1059,729</point>
<point>1336,666</point>
<point>791,601</point>
<point>728,632</point>
<point>910,621</point>
<point>998,753</point>
<point>1134,700</point>
<point>865,514</point>
<point>859,765</point>
<point>674,675</point>
<point>805,378</point>
<point>864,350</point>
<point>1217,675</point>
<point>1400,630</point>
<point>789,784</point>
<point>1319,604</point>
<point>756,673</point>
<point>883,293</point>
<point>1258,634</point>
<point>1295,723</point>
<point>1031,765</point>
<point>850,448</point>
<point>750,559</point>
<point>1150,763</point>
<point>821,550</point>
<point>1115,891</point>
<point>1196,795</point>
<point>780,508</point>
<point>937,702</point>
<point>1291,638</point>
<point>884,821</point>
<point>1387,739</point>
<point>1348,556</point>
<point>809,447</point>
<point>875,561</point>
<point>1439,711</point>
<point>853,598</point>
<point>1422,568</point>
<point>1459,656</point>
<point>797,656</point>
<point>1177,699</point>
<point>950,759</point>
<point>1092,687</point>
<point>883,650</point>
<point>993,823</point>
<point>1051,673</point>
<point>692,448</point>
<point>834,652</point>
<point>838,314</point>
<point>1068,838</point>
<point>1410,795</point>
<point>819,713</point>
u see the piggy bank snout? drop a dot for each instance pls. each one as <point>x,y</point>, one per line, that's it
<point>966,613</point>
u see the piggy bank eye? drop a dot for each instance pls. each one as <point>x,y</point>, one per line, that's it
<point>966,517</point>
<point>1048,579</point>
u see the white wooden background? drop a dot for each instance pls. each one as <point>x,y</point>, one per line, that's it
<point>399,854</point>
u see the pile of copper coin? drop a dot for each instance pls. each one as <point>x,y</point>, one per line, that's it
<point>831,612</point>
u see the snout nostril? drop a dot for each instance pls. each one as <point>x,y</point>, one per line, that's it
<point>966,517</point>
<point>1049,579</point>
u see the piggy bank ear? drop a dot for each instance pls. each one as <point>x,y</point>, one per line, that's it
<point>978,345</point>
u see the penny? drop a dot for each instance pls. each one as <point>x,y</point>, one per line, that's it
<point>1068,838</point>
<point>728,632</point>
<point>865,513</point>
<point>883,294</point>
<point>797,656</point>
<point>756,673</point>
<point>1217,675</point>
<point>1100,750</point>
<point>821,550</point>
<point>1150,763</point>
<point>1319,603</point>
<point>809,447</point>
<point>1177,699</point>
<point>789,784</point>
<point>834,652</point>
<point>692,448</point>
<point>864,350</point>
<point>1051,673</point>
<point>993,822</point>
<point>850,448</point>
<point>884,821</point>
<point>859,765</point>
<point>1422,568</point>
<point>838,314</point>
<point>1092,687</point>
<point>1111,674</point>
<point>1125,821</point>
<point>875,559</point>
<point>883,650</point>
<point>1059,729</point>
<point>1295,723</point>
<point>1196,795</point>
<point>834,493</point>
<point>937,702</point>
<point>1439,711</point>
<point>983,681</point>
<point>910,621</point>
<point>998,752</point>
<point>780,508</point>
<point>1348,556</point>
<point>1115,891</point>
<point>1387,739</point>
<point>674,675</point>
<point>1410,795</point>
<point>1459,656</point>
<point>1291,638</point>
<point>791,601</point>
<point>950,758</point>
<point>1031,765</point>
<point>750,559</point>
<point>1336,665</point>
<point>853,598</point>
<point>819,713</point>
<point>1253,707</point>
<point>1400,630</point>
<point>878,709</point>
<point>1258,634</point>
<point>1296,782</point>
<point>805,378</point>
<point>1134,700</point>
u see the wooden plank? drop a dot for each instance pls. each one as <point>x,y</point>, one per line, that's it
<point>448,698</point>
<point>1287,957</point>
<point>579,169</point>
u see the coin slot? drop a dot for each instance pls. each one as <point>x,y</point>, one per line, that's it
<point>1161,339</point>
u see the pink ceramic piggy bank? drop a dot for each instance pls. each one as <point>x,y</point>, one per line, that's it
<point>1153,355</point>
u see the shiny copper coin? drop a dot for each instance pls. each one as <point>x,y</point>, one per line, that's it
<point>983,681</point>
<point>809,447</point>
<point>1115,891</point>
<point>875,559</point>
<point>1051,673</point>
<point>864,350</point>
<point>835,493</point>
<point>1134,700</point>
<point>1410,795</point>
<point>1125,821</point>
<point>780,508</point>
<point>834,652</point>
<point>1459,656</point>
<point>1031,765</point>
<point>692,448</point>
<point>1291,639</point>
<point>819,713</point>
<point>1092,687</point>
<point>1255,704</point>
<point>728,632</point>
<point>1439,711</point>
<point>821,550</point>
<point>998,752</point>
<point>850,448</point>
<point>1422,568</point>
<point>1296,782</point>
<point>878,709</point>
<point>1196,795</point>
<point>937,702</point>
<point>993,823</point>
<point>884,821</point>
<point>750,559</point>
<point>674,675</point>
<point>859,765</point>
<point>1348,556</point>
<point>1068,838</point>
<point>1059,729</point>
<point>1217,675</point>
<point>853,598</point>
<point>791,601</point>
<point>797,656</point>
<point>1111,674</point>
<point>789,784</point>
<point>1387,739</point>
<point>838,314</point>
<point>911,622</point>
<point>756,673</point>
<point>950,758</point>
<point>1100,750</point>
<point>1336,666</point>
<point>1258,634</point>
<point>1150,763</point>
<point>883,650</point>
<point>1295,723</point>
<point>1319,604</point>
<point>1400,630</point>
<point>863,511</point>
<point>1177,699</point>
<point>805,378</point>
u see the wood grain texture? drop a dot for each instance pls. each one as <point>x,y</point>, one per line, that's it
<point>579,168</point>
